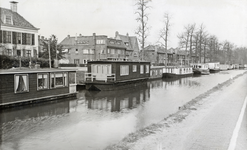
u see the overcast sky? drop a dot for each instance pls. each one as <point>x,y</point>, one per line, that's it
<point>226,19</point>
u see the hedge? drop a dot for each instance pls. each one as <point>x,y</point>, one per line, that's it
<point>10,61</point>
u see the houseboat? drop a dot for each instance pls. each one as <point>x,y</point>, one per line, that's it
<point>156,72</point>
<point>24,86</point>
<point>201,69</point>
<point>111,75</point>
<point>176,72</point>
<point>224,67</point>
<point>214,67</point>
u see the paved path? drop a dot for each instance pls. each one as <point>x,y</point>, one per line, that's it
<point>242,137</point>
<point>214,131</point>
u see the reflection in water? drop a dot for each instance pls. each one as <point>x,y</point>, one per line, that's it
<point>93,121</point>
<point>118,100</point>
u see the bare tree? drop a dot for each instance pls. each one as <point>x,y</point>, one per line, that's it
<point>142,17</point>
<point>186,39</point>
<point>201,34</point>
<point>164,33</point>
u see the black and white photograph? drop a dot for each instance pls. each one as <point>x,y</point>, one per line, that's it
<point>123,75</point>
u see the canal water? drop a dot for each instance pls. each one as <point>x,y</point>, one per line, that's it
<point>97,119</point>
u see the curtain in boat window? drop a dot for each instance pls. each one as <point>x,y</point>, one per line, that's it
<point>21,83</point>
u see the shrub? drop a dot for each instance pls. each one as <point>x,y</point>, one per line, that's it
<point>10,61</point>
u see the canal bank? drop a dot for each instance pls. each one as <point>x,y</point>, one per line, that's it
<point>206,122</point>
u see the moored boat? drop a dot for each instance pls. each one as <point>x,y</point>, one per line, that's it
<point>176,72</point>
<point>200,68</point>
<point>214,67</point>
<point>156,72</point>
<point>111,75</point>
<point>24,86</point>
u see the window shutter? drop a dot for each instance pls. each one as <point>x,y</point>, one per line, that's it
<point>1,39</point>
<point>4,37</point>
<point>33,39</point>
<point>14,37</point>
<point>24,39</point>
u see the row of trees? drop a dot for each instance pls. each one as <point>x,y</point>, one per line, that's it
<point>196,41</point>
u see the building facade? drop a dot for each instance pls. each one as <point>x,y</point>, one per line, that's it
<point>81,49</point>
<point>17,36</point>
<point>131,44</point>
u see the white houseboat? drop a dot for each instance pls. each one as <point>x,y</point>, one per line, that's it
<point>214,67</point>
<point>176,72</point>
<point>200,68</point>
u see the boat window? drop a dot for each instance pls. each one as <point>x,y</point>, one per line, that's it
<point>124,70</point>
<point>72,77</point>
<point>59,79</point>
<point>147,68</point>
<point>21,83</point>
<point>134,68</point>
<point>141,69</point>
<point>42,81</point>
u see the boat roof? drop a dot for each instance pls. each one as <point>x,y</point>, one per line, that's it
<point>28,70</point>
<point>115,61</point>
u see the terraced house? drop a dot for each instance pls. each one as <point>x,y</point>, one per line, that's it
<point>18,37</point>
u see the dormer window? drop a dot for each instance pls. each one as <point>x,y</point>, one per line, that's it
<point>8,19</point>
<point>126,43</point>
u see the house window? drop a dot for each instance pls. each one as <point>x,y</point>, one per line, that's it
<point>18,36</point>
<point>42,81</point>
<point>112,51</point>
<point>134,68</point>
<point>124,70</point>
<point>147,68</point>
<point>76,61</point>
<point>59,79</point>
<point>141,69</point>
<point>28,39</point>
<point>8,36</point>
<point>108,51</point>
<point>18,52</point>
<point>85,51</point>
<point>9,52</point>
<point>28,53</point>
<point>8,19</point>
<point>100,41</point>
<point>21,83</point>
<point>76,51</point>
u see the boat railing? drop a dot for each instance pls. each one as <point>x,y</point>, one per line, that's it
<point>92,77</point>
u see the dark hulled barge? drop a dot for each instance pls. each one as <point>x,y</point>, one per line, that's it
<point>111,75</point>
<point>26,86</point>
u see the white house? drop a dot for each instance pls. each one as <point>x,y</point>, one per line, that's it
<point>18,37</point>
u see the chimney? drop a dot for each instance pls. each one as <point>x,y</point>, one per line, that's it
<point>13,6</point>
<point>68,36</point>
<point>116,34</point>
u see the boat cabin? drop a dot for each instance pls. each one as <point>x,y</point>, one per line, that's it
<point>19,86</point>
<point>109,72</point>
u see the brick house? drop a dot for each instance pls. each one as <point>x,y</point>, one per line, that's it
<point>18,37</point>
<point>81,49</point>
<point>131,44</point>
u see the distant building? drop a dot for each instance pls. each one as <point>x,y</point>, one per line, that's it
<point>81,49</point>
<point>18,37</point>
<point>154,54</point>
<point>131,44</point>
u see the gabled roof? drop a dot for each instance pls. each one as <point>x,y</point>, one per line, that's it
<point>115,43</point>
<point>131,40</point>
<point>18,20</point>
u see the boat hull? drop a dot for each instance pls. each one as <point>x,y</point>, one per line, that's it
<point>173,75</point>
<point>109,86</point>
